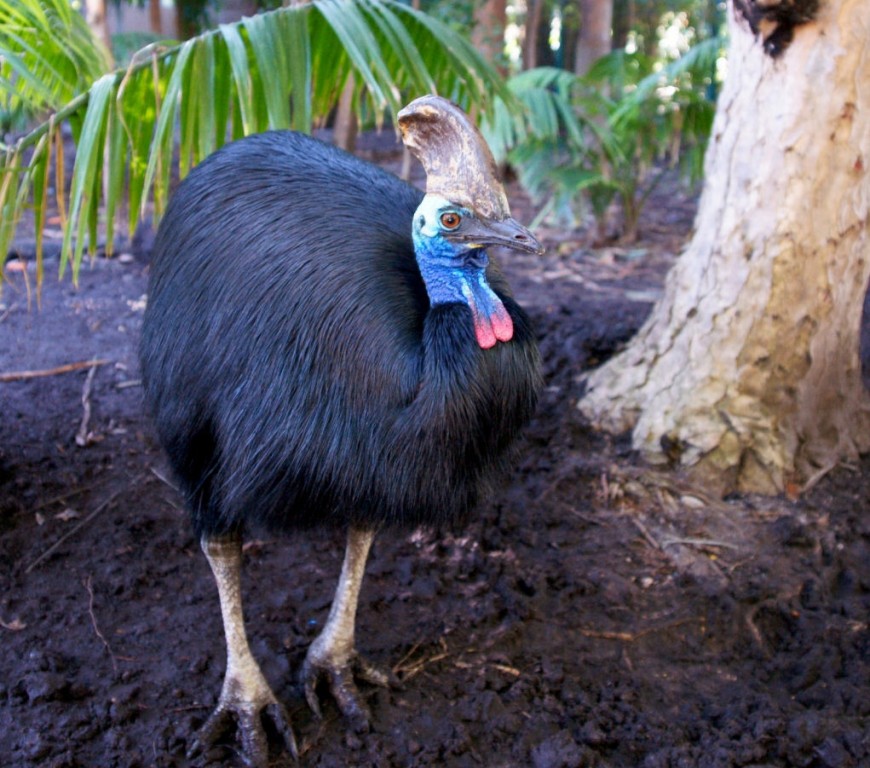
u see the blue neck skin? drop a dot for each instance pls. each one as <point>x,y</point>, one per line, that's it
<point>456,273</point>
<point>452,272</point>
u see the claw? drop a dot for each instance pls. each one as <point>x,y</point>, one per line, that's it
<point>217,725</point>
<point>340,678</point>
<point>248,719</point>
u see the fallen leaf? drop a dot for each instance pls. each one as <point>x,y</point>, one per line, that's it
<point>16,625</point>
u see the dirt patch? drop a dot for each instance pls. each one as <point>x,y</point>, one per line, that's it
<point>596,612</point>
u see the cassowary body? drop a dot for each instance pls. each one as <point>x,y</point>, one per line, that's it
<point>321,347</point>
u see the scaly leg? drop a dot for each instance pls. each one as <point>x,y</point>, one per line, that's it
<point>246,696</point>
<point>333,655</point>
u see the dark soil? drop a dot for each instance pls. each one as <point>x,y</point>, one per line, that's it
<point>596,612</point>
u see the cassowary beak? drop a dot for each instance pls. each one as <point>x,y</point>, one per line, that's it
<point>509,233</point>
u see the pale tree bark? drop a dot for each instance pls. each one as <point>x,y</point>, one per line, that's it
<point>594,40</point>
<point>95,15</point>
<point>345,127</point>
<point>748,370</point>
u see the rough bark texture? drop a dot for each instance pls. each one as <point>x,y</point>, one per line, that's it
<point>748,370</point>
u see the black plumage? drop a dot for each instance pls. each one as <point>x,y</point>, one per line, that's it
<point>291,361</point>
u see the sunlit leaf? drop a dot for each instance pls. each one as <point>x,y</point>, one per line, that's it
<point>47,54</point>
<point>86,180</point>
<point>269,53</point>
<point>114,171</point>
<point>281,69</point>
<point>244,87</point>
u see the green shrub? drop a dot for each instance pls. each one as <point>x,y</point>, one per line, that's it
<point>611,135</point>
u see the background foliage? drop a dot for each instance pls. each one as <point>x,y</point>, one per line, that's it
<point>610,134</point>
<point>577,143</point>
<point>172,107</point>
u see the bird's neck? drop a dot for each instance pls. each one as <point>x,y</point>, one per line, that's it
<point>451,278</point>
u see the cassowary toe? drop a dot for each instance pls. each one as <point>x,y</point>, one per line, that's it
<point>340,678</point>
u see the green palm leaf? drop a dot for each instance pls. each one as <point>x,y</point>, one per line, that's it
<point>47,54</point>
<point>281,69</point>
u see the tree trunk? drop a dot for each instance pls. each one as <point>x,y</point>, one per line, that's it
<point>95,15</point>
<point>623,21</point>
<point>534,12</point>
<point>748,370</point>
<point>345,126</point>
<point>490,20</point>
<point>596,17</point>
<point>155,18</point>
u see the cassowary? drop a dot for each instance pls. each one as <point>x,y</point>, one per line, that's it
<point>326,345</point>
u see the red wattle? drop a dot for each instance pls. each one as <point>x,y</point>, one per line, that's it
<point>486,338</point>
<point>502,325</point>
<point>490,329</point>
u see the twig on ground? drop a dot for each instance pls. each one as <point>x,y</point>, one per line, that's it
<point>69,367</point>
<point>100,507</point>
<point>87,583</point>
<point>414,669</point>
<point>627,637</point>
<point>68,495</point>
<point>754,632</point>
<point>653,542</point>
<point>699,543</point>
<point>512,671</point>
<point>398,665</point>
<point>163,479</point>
<point>631,637</point>
<point>83,436</point>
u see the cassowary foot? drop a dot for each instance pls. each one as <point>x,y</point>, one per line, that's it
<point>340,677</point>
<point>249,718</point>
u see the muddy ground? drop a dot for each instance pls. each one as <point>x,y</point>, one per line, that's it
<point>595,613</point>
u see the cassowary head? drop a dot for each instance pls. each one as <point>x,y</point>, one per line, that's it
<point>465,211</point>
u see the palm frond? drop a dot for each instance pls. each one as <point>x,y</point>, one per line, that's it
<point>601,134</point>
<point>282,69</point>
<point>545,96</point>
<point>693,67</point>
<point>47,54</point>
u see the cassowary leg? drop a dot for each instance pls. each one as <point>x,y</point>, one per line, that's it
<point>246,697</point>
<point>332,656</point>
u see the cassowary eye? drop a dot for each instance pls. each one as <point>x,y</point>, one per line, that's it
<point>450,220</point>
